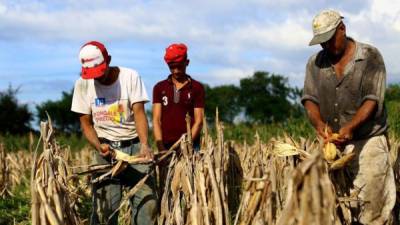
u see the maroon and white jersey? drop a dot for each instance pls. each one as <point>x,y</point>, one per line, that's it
<point>175,104</point>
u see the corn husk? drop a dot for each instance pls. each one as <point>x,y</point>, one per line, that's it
<point>132,159</point>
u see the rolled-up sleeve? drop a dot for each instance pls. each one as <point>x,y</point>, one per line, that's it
<point>310,90</point>
<point>374,80</point>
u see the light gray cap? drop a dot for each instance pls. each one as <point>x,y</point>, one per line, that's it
<point>324,26</point>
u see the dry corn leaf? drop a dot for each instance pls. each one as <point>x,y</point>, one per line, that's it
<point>284,149</point>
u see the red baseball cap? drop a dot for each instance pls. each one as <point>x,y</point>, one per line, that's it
<point>175,53</point>
<point>94,58</point>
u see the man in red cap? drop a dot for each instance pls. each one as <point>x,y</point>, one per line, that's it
<point>173,98</point>
<point>110,103</point>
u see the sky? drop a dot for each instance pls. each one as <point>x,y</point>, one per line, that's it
<point>227,39</point>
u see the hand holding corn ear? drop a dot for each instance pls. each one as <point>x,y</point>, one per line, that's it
<point>105,150</point>
<point>146,152</point>
<point>330,148</point>
<point>324,131</point>
<point>345,134</point>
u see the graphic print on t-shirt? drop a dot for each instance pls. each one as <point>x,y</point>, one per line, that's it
<point>100,101</point>
<point>113,111</point>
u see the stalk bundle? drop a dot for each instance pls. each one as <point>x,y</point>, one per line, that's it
<point>53,201</point>
<point>195,190</point>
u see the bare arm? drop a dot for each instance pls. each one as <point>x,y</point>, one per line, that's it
<point>142,127</point>
<point>88,130</point>
<point>91,135</point>
<point>198,122</point>
<point>157,126</point>
<point>314,115</point>
<point>140,122</point>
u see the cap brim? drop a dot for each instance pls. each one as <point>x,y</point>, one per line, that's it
<point>94,72</point>
<point>321,38</point>
<point>177,59</point>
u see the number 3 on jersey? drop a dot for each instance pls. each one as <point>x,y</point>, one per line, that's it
<point>165,100</point>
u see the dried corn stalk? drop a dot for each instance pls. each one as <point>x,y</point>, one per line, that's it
<point>5,175</point>
<point>52,199</point>
<point>195,189</point>
<point>311,197</point>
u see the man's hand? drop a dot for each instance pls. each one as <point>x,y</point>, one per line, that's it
<point>324,131</point>
<point>160,146</point>
<point>105,150</point>
<point>146,152</point>
<point>345,134</point>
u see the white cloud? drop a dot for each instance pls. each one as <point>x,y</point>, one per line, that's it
<point>3,8</point>
<point>228,39</point>
<point>287,35</point>
<point>226,75</point>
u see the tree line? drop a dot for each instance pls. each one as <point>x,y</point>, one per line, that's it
<point>262,98</point>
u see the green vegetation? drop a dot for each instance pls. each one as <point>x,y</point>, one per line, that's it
<point>262,98</point>
<point>16,209</point>
<point>226,98</point>
<point>295,127</point>
<point>265,98</point>
<point>64,120</point>
<point>15,118</point>
<point>28,141</point>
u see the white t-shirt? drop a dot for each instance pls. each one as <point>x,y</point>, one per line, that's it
<point>110,105</point>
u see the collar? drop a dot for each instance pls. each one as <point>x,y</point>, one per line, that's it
<point>169,79</point>
<point>360,53</point>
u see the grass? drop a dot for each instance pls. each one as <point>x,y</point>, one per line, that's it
<point>16,210</point>
<point>14,143</point>
<point>295,127</point>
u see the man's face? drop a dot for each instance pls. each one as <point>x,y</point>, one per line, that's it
<point>178,68</point>
<point>337,44</point>
<point>103,77</point>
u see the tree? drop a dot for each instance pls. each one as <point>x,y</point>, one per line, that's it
<point>15,118</point>
<point>393,92</point>
<point>265,97</point>
<point>392,97</point>
<point>224,97</point>
<point>60,112</point>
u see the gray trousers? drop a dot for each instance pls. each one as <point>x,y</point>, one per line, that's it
<point>373,180</point>
<point>106,195</point>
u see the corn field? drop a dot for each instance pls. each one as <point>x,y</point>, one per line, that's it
<point>279,181</point>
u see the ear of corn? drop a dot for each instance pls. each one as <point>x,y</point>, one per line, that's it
<point>330,151</point>
<point>132,159</point>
